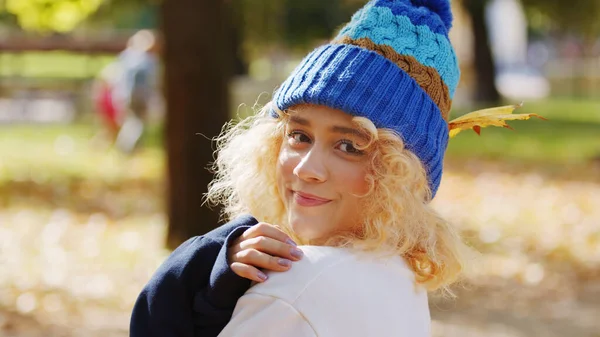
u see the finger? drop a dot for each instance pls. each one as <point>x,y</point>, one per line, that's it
<point>268,230</point>
<point>261,260</point>
<point>258,230</point>
<point>272,247</point>
<point>248,272</point>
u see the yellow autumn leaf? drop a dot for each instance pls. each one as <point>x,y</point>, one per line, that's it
<point>487,117</point>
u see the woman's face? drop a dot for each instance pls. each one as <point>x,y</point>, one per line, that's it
<point>321,173</point>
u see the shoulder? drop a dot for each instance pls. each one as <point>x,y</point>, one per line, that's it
<point>377,291</point>
<point>196,256</point>
<point>315,264</point>
<point>343,267</point>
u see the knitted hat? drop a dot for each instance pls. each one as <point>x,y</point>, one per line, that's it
<point>393,64</point>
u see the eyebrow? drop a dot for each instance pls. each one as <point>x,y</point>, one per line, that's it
<point>338,129</point>
<point>299,120</point>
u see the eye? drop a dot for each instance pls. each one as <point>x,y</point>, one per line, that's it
<point>348,147</point>
<point>296,137</point>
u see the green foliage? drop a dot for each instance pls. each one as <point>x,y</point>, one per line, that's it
<point>129,14</point>
<point>51,15</point>
<point>295,24</point>
<point>576,16</point>
<point>308,20</point>
<point>62,16</point>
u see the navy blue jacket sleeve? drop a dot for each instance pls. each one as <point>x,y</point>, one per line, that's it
<point>193,293</point>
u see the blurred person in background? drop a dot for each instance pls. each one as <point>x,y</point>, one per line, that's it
<point>124,89</point>
<point>344,161</point>
<point>104,102</point>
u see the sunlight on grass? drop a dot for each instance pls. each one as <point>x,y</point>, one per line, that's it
<point>55,64</point>
<point>571,135</point>
<point>42,153</point>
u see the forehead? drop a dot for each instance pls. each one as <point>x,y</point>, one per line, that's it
<point>319,115</point>
<point>327,119</point>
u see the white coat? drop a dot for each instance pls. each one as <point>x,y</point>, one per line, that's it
<point>334,292</point>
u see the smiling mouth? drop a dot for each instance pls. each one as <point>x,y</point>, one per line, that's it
<point>308,200</point>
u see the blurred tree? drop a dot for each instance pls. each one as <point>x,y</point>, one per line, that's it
<point>291,23</point>
<point>310,20</point>
<point>197,71</point>
<point>236,39</point>
<point>485,70</point>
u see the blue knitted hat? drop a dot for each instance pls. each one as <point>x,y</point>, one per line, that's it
<point>393,64</point>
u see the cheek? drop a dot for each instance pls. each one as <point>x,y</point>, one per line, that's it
<point>286,162</point>
<point>352,179</point>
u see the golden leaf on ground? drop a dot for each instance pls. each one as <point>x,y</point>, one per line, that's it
<point>487,117</point>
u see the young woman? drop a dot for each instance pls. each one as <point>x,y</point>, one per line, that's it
<point>344,161</point>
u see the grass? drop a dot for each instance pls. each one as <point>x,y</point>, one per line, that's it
<point>56,64</point>
<point>56,152</point>
<point>571,135</point>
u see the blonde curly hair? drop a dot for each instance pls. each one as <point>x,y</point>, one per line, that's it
<point>397,217</point>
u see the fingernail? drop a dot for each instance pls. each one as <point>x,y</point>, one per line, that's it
<point>297,253</point>
<point>262,276</point>
<point>284,262</point>
<point>291,242</point>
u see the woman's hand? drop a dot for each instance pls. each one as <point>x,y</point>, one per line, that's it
<point>262,246</point>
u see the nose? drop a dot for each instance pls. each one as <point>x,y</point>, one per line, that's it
<point>311,167</point>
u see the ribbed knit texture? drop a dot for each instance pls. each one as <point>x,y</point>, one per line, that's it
<point>427,77</point>
<point>393,64</point>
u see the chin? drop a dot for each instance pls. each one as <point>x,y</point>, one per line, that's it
<point>306,227</point>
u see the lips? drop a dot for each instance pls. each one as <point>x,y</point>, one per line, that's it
<point>308,200</point>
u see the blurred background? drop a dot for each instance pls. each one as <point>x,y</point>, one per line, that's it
<point>107,109</point>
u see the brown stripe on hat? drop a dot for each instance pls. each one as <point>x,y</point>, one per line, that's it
<point>427,77</point>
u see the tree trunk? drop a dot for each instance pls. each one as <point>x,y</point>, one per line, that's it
<point>485,86</point>
<point>196,79</point>
<point>236,31</point>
